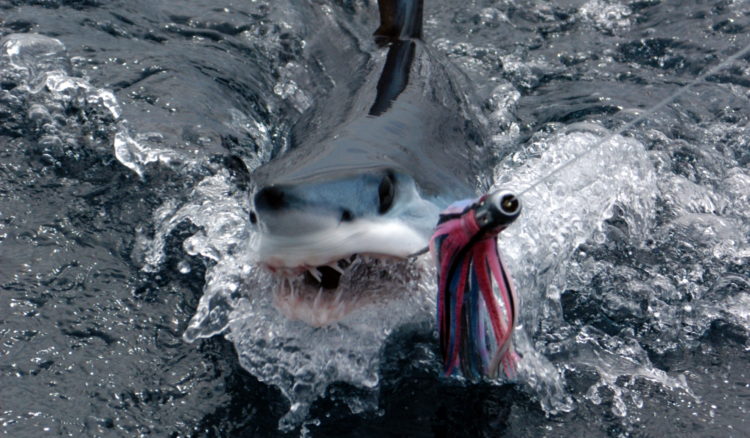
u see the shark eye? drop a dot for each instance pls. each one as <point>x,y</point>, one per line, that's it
<point>385,193</point>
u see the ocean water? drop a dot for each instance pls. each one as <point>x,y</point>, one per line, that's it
<point>130,301</point>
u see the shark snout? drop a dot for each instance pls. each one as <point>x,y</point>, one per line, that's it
<point>306,207</point>
<point>318,222</point>
<point>299,210</point>
<point>274,201</point>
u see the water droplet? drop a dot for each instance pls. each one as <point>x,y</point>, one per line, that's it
<point>183,267</point>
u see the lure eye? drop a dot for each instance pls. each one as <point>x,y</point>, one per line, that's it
<point>509,204</point>
<point>385,193</point>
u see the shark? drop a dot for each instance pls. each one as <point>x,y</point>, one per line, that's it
<point>366,177</point>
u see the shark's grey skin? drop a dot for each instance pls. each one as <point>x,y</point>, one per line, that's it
<point>369,174</point>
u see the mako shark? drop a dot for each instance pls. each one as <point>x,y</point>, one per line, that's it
<point>366,178</point>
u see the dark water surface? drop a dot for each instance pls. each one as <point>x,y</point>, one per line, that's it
<point>119,212</point>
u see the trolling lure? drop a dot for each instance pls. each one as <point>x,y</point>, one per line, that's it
<point>475,330</point>
<point>477,307</point>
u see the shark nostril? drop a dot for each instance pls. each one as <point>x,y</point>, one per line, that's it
<point>346,216</point>
<point>253,218</point>
<point>270,198</point>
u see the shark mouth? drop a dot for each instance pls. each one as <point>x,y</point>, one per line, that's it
<point>325,294</point>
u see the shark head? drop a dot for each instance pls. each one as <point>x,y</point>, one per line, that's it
<point>365,176</point>
<point>313,232</point>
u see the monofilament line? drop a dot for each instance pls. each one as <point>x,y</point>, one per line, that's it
<point>642,117</point>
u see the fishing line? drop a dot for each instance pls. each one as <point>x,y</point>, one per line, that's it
<point>671,98</point>
<point>476,302</point>
<point>640,118</point>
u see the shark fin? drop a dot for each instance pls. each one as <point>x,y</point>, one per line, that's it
<point>399,19</point>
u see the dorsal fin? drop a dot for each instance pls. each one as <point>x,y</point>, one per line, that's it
<point>399,19</point>
<point>395,76</point>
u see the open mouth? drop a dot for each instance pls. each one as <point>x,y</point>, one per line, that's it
<point>325,294</point>
<point>328,276</point>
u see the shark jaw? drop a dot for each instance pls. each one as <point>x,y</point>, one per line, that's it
<point>330,239</point>
<point>325,276</point>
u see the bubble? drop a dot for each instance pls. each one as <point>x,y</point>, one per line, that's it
<point>184,267</point>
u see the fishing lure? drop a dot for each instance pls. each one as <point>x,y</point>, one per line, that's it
<point>477,307</point>
<point>475,330</point>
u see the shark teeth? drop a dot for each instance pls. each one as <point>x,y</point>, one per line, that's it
<point>329,275</point>
<point>316,274</point>
<point>297,302</point>
<point>323,295</point>
<point>337,268</point>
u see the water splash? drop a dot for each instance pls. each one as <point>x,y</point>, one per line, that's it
<point>40,92</point>
<point>300,360</point>
<point>660,285</point>
<point>303,361</point>
<point>607,16</point>
<point>559,216</point>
